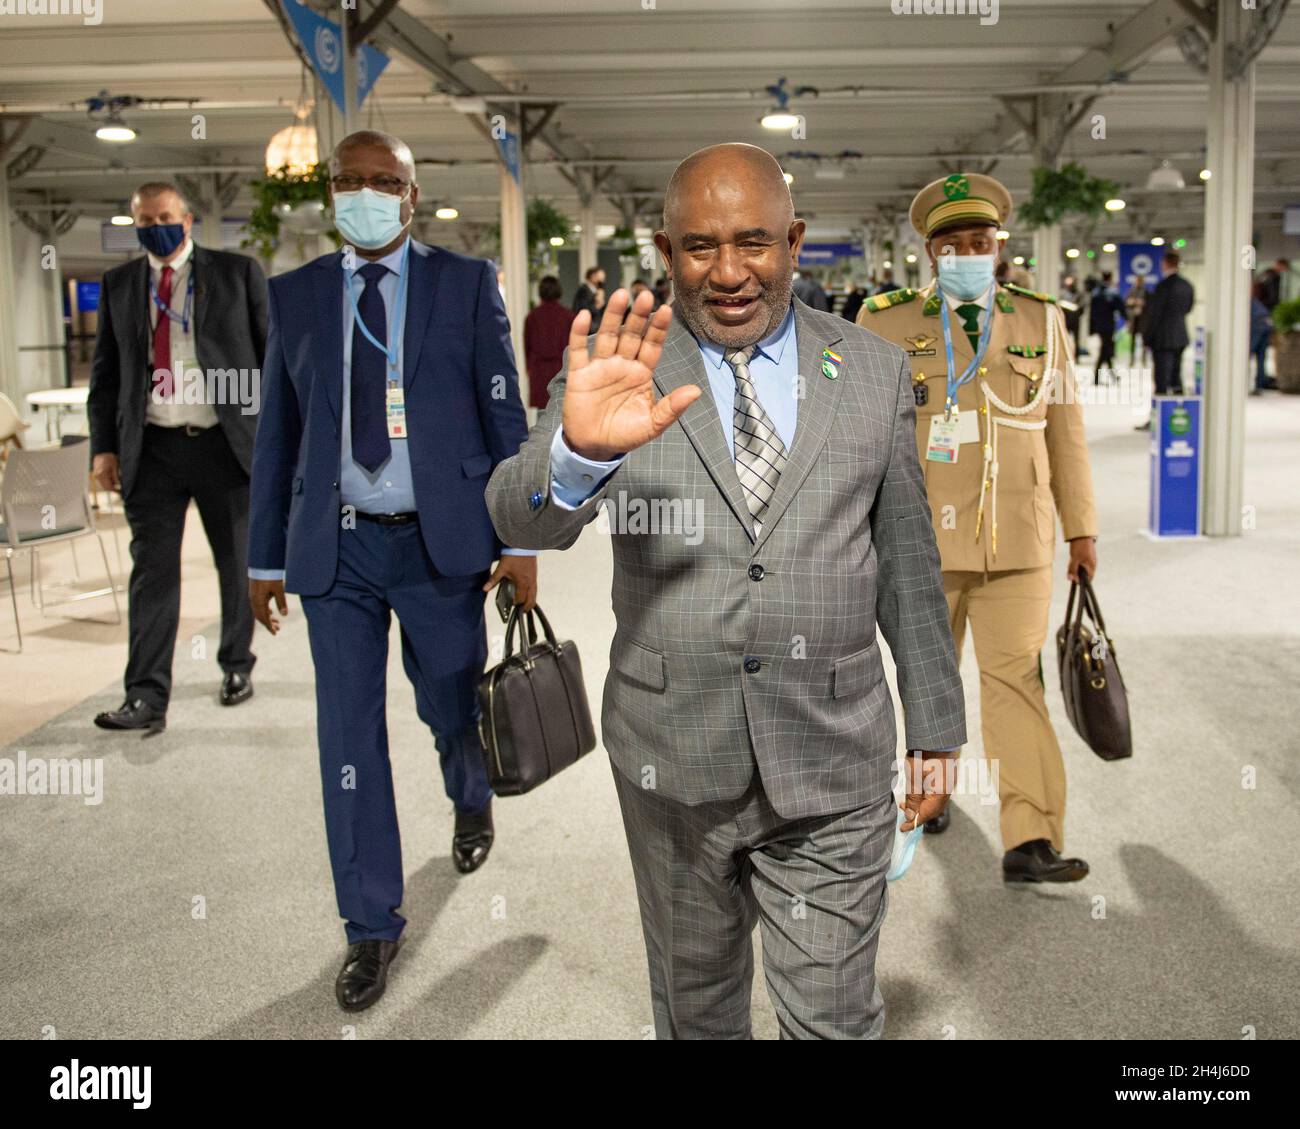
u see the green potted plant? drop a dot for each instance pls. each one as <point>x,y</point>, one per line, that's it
<point>299,201</point>
<point>1069,190</point>
<point>544,221</point>
<point>1286,344</point>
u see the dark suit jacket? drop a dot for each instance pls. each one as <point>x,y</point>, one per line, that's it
<point>1166,313</point>
<point>229,331</point>
<point>584,298</point>
<point>463,413</point>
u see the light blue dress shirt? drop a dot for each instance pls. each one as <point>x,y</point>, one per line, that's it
<point>390,489</point>
<point>774,369</point>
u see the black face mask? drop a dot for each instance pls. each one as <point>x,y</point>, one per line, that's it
<point>162,238</point>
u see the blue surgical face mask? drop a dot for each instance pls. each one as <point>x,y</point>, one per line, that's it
<point>368,219</point>
<point>162,238</point>
<point>904,848</point>
<point>966,276</point>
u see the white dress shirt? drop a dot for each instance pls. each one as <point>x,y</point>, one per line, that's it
<point>188,380</point>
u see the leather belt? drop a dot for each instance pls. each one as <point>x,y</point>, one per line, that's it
<point>389,519</point>
<point>182,429</point>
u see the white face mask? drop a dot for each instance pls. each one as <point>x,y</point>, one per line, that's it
<point>368,219</point>
<point>966,276</point>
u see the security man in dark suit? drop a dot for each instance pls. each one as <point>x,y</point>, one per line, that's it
<point>174,392</point>
<point>1166,326</point>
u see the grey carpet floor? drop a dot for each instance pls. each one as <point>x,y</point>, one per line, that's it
<point>195,901</point>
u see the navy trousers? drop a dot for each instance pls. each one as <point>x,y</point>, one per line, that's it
<point>383,569</point>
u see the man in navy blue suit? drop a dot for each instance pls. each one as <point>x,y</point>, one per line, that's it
<point>389,395</point>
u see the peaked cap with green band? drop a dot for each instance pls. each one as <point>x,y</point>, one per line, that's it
<point>961,197</point>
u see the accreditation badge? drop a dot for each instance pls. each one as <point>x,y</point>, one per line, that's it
<point>395,401</point>
<point>945,439</point>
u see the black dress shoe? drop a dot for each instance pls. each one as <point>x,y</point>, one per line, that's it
<point>134,713</point>
<point>472,839</point>
<point>939,824</point>
<point>235,688</point>
<point>364,974</point>
<point>1039,861</point>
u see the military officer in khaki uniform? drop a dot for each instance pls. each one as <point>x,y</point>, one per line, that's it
<point>1000,436</point>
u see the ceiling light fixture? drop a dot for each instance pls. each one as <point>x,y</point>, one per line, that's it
<point>115,129</point>
<point>1164,177</point>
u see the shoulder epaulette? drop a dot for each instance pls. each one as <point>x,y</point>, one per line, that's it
<point>1035,294</point>
<point>878,302</point>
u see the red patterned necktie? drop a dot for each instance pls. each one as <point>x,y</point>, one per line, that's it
<point>162,339</point>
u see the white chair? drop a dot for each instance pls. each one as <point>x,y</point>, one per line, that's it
<point>43,501</point>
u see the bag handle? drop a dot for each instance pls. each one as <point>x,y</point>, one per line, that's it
<point>529,635</point>
<point>1071,619</point>
<point>1094,608</point>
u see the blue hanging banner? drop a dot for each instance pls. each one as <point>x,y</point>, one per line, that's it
<point>509,148</point>
<point>823,254</point>
<point>322,42</point>
<point>1139,259</point>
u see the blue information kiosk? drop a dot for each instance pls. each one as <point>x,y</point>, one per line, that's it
<point>1175,509</point>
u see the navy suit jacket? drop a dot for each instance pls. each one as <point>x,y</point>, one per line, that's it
<point>463,411</point>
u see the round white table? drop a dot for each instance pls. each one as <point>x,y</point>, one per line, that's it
<point>58,402</point>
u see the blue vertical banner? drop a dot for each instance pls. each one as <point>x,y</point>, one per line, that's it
<point>87,297</point>
<point>1139,259</point>
<point>1175,508</point>
<point>322,42</point>
<point>508,145</point>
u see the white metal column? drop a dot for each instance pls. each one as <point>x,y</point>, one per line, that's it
<point>1229,264</point>
<point>1047,252</point>
<point>514,260</point>
<point>587,242</point>
<point>9,379</point>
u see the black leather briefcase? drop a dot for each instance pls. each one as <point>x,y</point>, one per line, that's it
<point>1095,699</point>
<point>535,720</point>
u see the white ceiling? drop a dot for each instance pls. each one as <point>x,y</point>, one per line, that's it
<point>642,88</point>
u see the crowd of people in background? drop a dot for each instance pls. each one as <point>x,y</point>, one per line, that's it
<point>1095,306</point>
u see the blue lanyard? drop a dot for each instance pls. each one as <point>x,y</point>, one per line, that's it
<point>955,383</point>
<point>390,350</point>
<point>165,308</point>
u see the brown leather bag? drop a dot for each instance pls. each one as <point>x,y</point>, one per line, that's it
<point>1095,699</point>
<point>535,720</point>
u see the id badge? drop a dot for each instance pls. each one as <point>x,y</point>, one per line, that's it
<point>945,440</point>
<point>395,400</point>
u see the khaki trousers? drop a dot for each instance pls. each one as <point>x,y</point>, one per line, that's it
<point>1007,612</point>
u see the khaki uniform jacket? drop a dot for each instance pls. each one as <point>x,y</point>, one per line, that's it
<point>992,508</point>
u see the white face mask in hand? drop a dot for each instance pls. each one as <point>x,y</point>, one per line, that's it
<point>904,848</point>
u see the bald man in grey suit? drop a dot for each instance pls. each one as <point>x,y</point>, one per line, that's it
<point>771,449</point>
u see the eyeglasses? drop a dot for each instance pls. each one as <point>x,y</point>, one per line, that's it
<point>388,185</point>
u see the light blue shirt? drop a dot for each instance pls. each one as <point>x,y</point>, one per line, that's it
<point>774,369</point>
<point>390,489</point>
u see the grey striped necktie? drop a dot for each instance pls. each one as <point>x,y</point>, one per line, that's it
<point>760,454</point>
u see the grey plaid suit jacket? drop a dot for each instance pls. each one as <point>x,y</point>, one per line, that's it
<point>846,544</point>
